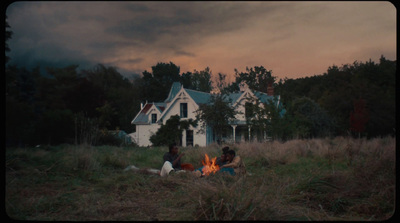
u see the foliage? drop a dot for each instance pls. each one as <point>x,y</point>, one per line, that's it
<point>39,105</point>
<point>258,115</point>
<point>359,117</point>
<point>106,138</point>
<point>41,109</point>
<point>119,99</point>
<point>171,132</point>
<point>337,89</point>
<point>311,120</point>
<point>156,85</point>
<point>256,78</point>
<point>199,80</point>
<point>217,115</point>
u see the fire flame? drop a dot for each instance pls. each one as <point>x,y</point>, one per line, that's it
<point>209,167</point>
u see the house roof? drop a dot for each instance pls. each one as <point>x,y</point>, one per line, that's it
<point>176,86</point>
<point>143,117</point>
<point>198,96</point>
<point>233,97</point>
<point>263,97</point>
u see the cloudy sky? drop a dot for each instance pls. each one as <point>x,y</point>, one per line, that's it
<point>293,39</point>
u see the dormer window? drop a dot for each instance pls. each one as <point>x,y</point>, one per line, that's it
<point>153,118</point>
<point>183,110</point>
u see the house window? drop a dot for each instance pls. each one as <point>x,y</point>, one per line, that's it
<point>153,118</point>
<point>249,113</point>
<point>189,137</point>
<point>183,110</point>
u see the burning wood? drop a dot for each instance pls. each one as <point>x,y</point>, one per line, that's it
<point>209,167</point>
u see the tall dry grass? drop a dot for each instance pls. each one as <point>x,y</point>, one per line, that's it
<point>316,179</point>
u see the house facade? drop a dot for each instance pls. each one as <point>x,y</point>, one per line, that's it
<point>184,102</point>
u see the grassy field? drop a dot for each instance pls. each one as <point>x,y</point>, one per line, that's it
<point>319,179</point>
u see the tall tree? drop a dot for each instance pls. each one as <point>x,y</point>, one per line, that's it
<point>359,117</point>
<point>198,80</point>
<point>217,115</point>
<point>120,100</point>
<point>156,85</point>
<point>201,80</point>
<point>256,78</point>
<point>311,119</point>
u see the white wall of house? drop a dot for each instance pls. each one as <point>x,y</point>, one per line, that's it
<point>240,109</point>
<point>240,105</point>
<point>143,133</point>
<point>175,109</point>
<point>200,138</point>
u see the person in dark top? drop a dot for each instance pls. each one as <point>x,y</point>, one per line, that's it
<point>173,157</point>
<point>172,161</point>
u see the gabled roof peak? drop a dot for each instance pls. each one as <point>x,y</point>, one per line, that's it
<point>175,88</point>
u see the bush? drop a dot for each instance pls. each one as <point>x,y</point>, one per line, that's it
<point>109,139</point>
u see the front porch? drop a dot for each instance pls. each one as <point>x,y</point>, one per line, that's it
<point>242,132</point>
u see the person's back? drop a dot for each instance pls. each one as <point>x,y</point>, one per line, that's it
<point>239,166</point>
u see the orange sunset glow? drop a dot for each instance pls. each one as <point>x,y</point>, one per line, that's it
<point>293,39</point>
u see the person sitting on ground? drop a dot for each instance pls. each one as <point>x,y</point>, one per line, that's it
<point>172,161</point>
<point>222,159</point>
<point>235,164</point>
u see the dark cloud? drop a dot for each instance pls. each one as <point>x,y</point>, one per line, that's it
<point>133,61</point>
<point>136,35</point>
<point>184,53</point>
<point>49,55</point>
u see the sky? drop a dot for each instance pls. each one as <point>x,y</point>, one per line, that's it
<point>292,39</point>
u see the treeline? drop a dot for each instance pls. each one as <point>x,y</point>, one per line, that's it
<point>65,105</point>
<point>71,106</point>
<point>359,98</point>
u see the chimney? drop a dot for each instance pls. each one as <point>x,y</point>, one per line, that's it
<point>270,89</point>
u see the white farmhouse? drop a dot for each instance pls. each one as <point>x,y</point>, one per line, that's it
<point>184,102</point>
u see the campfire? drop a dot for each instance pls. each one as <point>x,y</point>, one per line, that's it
<point>209,166</point>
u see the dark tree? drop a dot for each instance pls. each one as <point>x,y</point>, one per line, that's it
<point>256,78</point>
<point>156,85</point>
<point>359,117</point>
<point>171,132</point>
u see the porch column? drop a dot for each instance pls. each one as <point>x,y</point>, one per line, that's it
<point>234,133</point>
<point>249,132</point>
